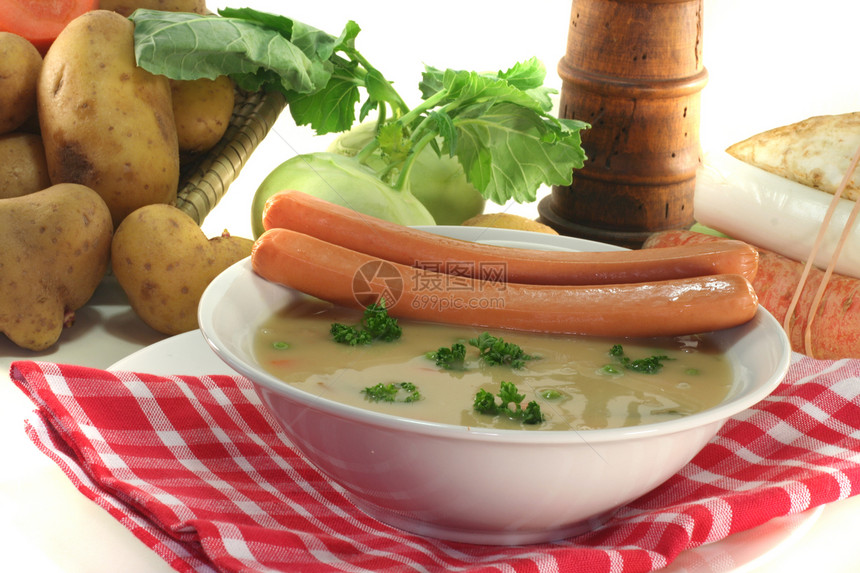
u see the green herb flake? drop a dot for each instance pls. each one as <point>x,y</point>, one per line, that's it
<point>405,392</point>
<point>495,351</point>
<point>510,405</point>
<point>375,325</point>
<point>450,358</point>
<point>379,325</point>
<point>648,365</point>
<point>280,345</point>
<point>551,394</point>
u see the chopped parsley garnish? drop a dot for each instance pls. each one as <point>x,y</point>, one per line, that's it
<point>450,358</point>
<point>649,365</point>
<point>510,405</point>
<point>375,324</point>
<point>393,392</point>
<point>495,351</point>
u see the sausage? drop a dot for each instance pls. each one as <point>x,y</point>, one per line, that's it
<point>405,245</point>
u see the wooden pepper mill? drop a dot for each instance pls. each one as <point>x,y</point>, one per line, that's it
<point>633,70</point>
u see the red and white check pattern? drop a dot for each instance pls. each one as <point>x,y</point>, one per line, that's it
<point>197,469</point>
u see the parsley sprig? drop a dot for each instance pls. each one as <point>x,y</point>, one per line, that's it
<point>406,392</point>
<point>510,404</point>
<point>450,358</point>
<point>376,324</point>
<point>649,365</point>
<point>494,350</point>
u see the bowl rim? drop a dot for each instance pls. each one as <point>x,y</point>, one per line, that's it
<point>243,271</point>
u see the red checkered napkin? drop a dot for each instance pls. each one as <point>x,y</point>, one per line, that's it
<point>199,471</point>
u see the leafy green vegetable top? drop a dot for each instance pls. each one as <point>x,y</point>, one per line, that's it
<point>498,125</point>
<point>319,74</point>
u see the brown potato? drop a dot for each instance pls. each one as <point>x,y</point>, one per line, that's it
<point>126,7</point>
<point>20,63</point>
<point>164,262</point>
<point>107,123</point>
<point>23,167</point>
<point>54,248</point>
<point>202,110</point>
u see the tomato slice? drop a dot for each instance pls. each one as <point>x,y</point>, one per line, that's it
<point>40,21</point>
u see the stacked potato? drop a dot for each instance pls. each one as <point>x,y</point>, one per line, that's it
<point>87,139</point>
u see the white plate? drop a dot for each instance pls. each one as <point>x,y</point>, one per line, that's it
<point>184,354</point>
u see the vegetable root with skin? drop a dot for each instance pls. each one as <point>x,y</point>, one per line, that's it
<point>659,308</point>
<point>346,227</point>
<point>835,328</point>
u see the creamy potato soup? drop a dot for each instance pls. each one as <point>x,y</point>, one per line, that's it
<point>575,380</point>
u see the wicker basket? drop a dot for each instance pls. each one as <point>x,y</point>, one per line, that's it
<point>204,180</point>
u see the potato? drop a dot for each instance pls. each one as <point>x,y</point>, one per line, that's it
<point>23,167</point>
<point>202,110</point>
<point>126,7</point>
<point>107,123</point>
<point>54,248</point>
<point>20,63</point>
<point>164,262</point>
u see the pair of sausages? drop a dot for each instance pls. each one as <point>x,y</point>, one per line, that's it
<point>349,258</point>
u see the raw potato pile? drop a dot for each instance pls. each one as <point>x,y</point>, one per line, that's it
<point>86,139</point>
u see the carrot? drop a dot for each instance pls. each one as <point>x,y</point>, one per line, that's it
<point>41,21</point>
<point>353,279</point>
<point>346,227</point>
<point>834,332</point>
<point>828,272</point>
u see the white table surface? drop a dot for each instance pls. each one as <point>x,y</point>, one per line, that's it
<point>770,62</point>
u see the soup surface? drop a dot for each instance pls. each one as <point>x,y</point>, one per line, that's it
<point>575,381</point>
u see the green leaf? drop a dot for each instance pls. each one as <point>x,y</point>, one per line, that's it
<point>431,82</point>
<point>312,41</point>
<point>522,83</point>
<point>446,130</point>
<point>328,110</point>
<point>466,88</point>
<point>188,46</point>
<point>509,151</point>
<point>526,75</point>
<point>380,89</point>
<point>393,143</point>
<point>331,109</point>
<point>503,136</point>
